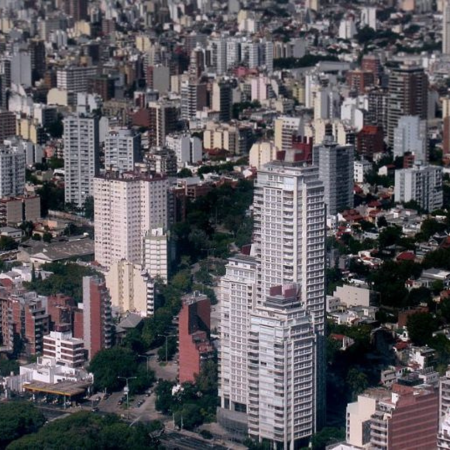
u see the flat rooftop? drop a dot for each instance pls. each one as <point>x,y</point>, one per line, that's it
<point>66,388</point>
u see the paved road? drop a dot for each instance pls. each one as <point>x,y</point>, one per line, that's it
<point>168,371</point>
<point>174,440</point>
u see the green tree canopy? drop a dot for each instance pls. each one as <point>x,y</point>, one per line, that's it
<point>17,420</point>
<point>88,431</point>
<point>7,243</point>
<point>66,279</point>
<point>421,327</point>
<point>107,365</point>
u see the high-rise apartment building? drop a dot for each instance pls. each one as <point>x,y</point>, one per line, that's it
<point>75,78</point>
<point>289,234</point>
<point>21,68</point>
<point>127,207</point>
<point>446,28</point>
<point>273,316</point>
<point>7,125</point>
<point>238,299</point>
<point>281,370</point>
<point>188,149</point>
<point>97,319</point>
<point>12,171</point>
<point>131,288</point>
<point>38,59</point>
<point>218,51</point>
<point>193,98</point>
<point>30,321</point>
<point>411,136</point>
<point>443,439</point>
<point>421,183</point>
<point>156,253</point>
<point>285,129</point>
<point>444,394</point>
<point>222,99</point>
<point>122,149</point>
<point>81,157</point>
<point>335,163</point>
<point>408,96</point>
<point>446,126</point>
<point>78,9</point>
<point>218,136</point>
<point>163,121</point>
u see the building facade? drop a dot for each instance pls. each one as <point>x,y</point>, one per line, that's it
<point>12,171</point>
<point>193,335</point>
<point>122,149</point>
<point>286,324</point>
<point>421,183</point>
<point>127,207</point>
<point>335,163</point>
<point>64,348</point>
<point>97,319</point>
<point>81,157</point>
<point>407,96</point>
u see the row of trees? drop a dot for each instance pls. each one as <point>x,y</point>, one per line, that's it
<point>66,279</point>
<point>22,428</point>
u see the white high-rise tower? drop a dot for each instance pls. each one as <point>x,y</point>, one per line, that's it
<point>273,313</point>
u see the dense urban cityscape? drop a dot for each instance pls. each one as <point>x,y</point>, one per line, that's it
<point>225,224</point>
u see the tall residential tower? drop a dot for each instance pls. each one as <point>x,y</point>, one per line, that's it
<point>272,371</point>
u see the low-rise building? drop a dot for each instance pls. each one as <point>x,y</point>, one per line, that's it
<point>355,295</point>
<point>64,348</point>
<point>194,329</point>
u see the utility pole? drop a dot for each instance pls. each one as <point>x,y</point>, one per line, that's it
<point>167,336</point>
<point>147,357</point>
<point>128,391</point>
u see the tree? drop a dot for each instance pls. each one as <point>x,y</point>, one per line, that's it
<point>88,207</point>
<point>357,382</point>
<point>164,399</point>
<point>439,258</point>
<point>66,279</point>
<point>189,416</point>
<point>184,173</point>
<point>56,128</point>
<point>421,327</point>
<point>382,222</point>
<point>327,436</point>
<point>47,237</point>
<point>111,363</point>
<point>168,350</point>
<point>36,237</point>
<point>88,431</point>
<point>9,365</point>
<point>55,163</point>
<point>7,243</point>
<point>27,227</point>
<point>206,380</point>
<point>52,197</point>
<point>107,365</point>
<point>389,236</point>
<point>419,295</point>
<point>430,227</point>
<point>17,420</point>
